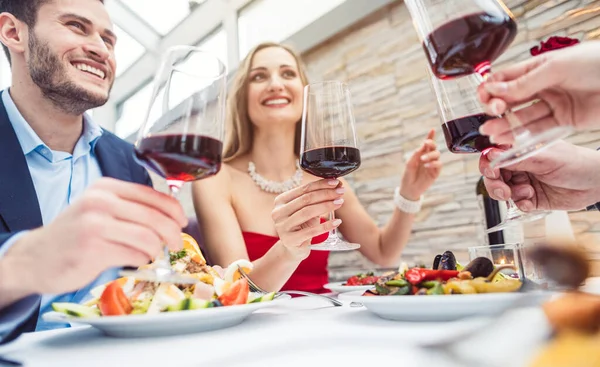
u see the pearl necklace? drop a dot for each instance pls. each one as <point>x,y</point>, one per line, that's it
<point>273,186</point>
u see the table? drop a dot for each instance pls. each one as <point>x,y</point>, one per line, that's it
<point>300,332</point>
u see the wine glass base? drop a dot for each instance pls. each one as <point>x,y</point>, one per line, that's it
<point>513,221</point>
<point>159,275</point>
<point>334,243</point>
<point>531,146</point>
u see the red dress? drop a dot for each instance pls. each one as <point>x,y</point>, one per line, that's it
<point>311,274</point>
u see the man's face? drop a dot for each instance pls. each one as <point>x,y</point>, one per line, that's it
<point>71,54</point>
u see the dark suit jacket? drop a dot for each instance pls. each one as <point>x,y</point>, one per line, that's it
<point>19,207</point>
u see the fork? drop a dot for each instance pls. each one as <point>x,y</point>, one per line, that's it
<point>255,288</point>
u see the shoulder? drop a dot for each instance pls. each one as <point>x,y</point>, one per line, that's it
<point>217,185</point>
<point>115,141</point>
<point>138,172</point>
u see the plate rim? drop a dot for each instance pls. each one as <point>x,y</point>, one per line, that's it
<point>456,298</point>
<point>340,285</point>
<point>59,317</point>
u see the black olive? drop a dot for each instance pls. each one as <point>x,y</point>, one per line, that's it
<point>448,261</point>
<point>480,267</point>
<point>436,261</point>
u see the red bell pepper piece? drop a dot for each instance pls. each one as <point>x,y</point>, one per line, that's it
<point>418,275</point>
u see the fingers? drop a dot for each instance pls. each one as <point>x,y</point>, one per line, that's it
<point>430,157</point>
<point>431,135</point>
<point>299,236</point>
<point>522,191</point>
<point>308,212</point>
<point>435,165</point>
<point>134,236</point>
<point>497,189</point>
<point>165,228</point>
<point>295,193</point>
<point>117,255</point>
<point>144,195</point>
<point>520,82</point>
<point>307,199</point>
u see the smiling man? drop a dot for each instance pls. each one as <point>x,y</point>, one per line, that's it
<point>68,218</point>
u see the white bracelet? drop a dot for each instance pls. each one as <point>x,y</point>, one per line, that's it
<point>405,205</point>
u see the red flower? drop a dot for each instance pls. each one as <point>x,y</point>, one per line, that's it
<point>553,43</point>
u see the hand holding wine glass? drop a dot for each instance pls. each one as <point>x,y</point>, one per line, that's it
<point>464,37</point>
<point>298,211</point>
<point>562,178</point>
<point>328,147</point>
<point>566,82</point>
<point>181,138</point>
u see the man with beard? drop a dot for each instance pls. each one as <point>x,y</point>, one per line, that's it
<point>69,220</point>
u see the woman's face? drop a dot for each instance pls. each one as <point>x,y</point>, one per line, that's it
<point>274,88</point>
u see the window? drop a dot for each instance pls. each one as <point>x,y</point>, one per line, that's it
<point>158,15</point>
<point>216,43</point>
<point>127,51</point>
<point>276,20</point>
<point>133,112</point>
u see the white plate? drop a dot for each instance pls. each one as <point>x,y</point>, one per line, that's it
<point>439,308</point>
<point>339,287</point>
<point>167,323</point>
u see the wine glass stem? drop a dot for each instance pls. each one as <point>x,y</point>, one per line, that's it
<point>512,209</point>
<point>333,232</point>
<point>165,260</point>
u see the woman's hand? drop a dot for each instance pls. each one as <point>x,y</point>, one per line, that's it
<point>422,169</point>
<point>297,214</point>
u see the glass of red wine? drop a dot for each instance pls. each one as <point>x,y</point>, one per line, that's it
<point>328,147</point>
<point>462,115</point>
<point>464,37</point>
<point>181,138</point>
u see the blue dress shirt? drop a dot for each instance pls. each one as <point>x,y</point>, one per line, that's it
<point>59,178</point>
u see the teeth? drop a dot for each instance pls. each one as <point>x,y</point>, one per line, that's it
<point>90,69</point>
<point>277,101</point>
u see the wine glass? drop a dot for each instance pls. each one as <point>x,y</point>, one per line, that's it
<point>328,147</point>
<point>462,115</point>
<point>463,37</point>
<point>181,138</point>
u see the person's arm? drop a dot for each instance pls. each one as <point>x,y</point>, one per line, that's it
<point>11,289</point>
<point>223,236</point>
<point>381,246</point>
<point>384,245</point>
<point>565,177</point>
<point>18,306</point>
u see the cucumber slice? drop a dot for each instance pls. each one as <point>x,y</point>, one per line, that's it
<point>264,298</point>
<point>75,309</point>
<point>188,304</point>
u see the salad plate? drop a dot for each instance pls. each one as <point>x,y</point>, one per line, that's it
<point>437,308</point>
<point>167,323</point>
<point>446,291</point>
<point>132,307</point>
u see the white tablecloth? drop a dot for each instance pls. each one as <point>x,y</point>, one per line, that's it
<point>301,332</point>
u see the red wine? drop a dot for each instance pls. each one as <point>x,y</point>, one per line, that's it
<point>466,45</point>
<point>462,135</point>
<point>330,162</point>
<point>181,157</point>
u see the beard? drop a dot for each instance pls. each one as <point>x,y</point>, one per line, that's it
<point>52,77</point>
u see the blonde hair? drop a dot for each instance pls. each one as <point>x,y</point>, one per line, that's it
<point>238,140</point>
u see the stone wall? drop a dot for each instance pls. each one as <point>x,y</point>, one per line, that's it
<point>384,64</point>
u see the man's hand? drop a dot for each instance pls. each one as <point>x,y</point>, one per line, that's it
<point>113,224</point>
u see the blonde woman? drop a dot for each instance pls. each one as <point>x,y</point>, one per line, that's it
<point>262,207</point>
